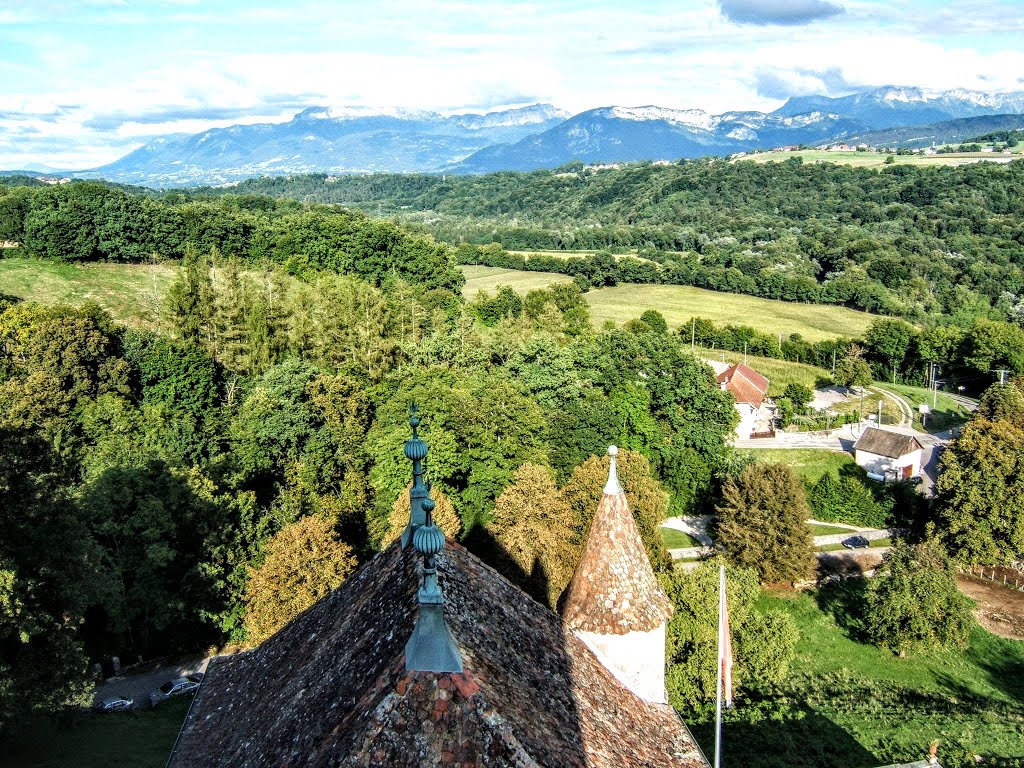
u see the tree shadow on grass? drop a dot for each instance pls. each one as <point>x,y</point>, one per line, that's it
<point>846,602</point>
<point>802,739</point>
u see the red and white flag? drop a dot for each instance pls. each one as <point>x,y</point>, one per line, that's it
<point>724,640</point>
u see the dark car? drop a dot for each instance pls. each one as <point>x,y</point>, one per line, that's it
<point>855,542</point>
<point>115,704</point>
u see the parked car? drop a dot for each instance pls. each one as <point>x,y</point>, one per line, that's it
<point>195,677</point>
<point>115,704</point>
<point>855,542</point>
<point>178,687</point>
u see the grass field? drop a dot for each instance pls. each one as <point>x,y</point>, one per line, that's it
<point>947,412</point>
<point>808,463</point>
<point>877,159</point>
<point>569,254</point>
<point>779,373</point>
<point>131,293</point>
<point>819,529</point>
<point>487,279</point>
<point>847,704</point>
<point>678,303</point>
<point>123,739</point>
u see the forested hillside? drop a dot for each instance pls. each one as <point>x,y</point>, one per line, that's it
<point>915,242</point>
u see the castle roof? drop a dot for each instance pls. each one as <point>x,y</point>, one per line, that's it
<point>614,589</point>
<point>745,384</point>
<point>332,687</point>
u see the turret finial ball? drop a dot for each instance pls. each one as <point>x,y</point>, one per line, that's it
<point>613,450</point>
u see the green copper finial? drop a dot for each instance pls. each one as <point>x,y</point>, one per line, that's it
<point>416,452</point>
<point>432,648</point>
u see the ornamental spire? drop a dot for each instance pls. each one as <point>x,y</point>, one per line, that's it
<point>416,452</point>
<point>431,648</point>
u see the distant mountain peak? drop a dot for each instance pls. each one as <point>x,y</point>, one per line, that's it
<point>694,118</point>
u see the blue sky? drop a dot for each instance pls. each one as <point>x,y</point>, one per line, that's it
<point>82,83</point>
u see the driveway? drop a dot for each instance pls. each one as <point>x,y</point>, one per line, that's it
<point>138,687</point>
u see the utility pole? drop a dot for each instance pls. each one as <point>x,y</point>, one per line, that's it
<point>833,362</point>
<point>693,333</point>
<point>894,373</point>
<point>744,353</point>
<point>879,421</point>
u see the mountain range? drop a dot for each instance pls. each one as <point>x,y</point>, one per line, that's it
<point>365,140</point>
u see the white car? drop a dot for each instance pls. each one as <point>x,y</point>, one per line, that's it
<point>181,685</point>
<point>115,704</point>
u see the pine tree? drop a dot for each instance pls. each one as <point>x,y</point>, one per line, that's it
<point>762,523</point>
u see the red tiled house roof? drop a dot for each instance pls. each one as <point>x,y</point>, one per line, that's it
<point>331,688</point>
<point>745,384</point>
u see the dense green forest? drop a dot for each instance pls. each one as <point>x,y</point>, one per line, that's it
<point>905,240</point>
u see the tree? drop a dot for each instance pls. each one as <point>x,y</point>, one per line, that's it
<point>852,371</point>
<point>304,561</point>
<point>762,523</point>
<point>979,492</point>
<point>647,501</point>
<point>913,601</point>
<point>763,643</point>
<point>1003,402</point>
<point>800,395</point>
<point>445,516</point>
<point>533,534</point>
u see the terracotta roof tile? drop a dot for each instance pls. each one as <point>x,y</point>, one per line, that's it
<point>745,384</point>
<point>331,689</point>
<point>614,589</point>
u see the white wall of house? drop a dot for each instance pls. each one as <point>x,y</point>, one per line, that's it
<point>637,659</point>
<point>887,466</point>
<point>748,420</point>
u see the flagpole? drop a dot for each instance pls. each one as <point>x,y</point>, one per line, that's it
<point>718,691</point>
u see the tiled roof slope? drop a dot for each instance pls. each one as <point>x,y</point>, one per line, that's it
<point>882,442</point>
<point>331,688</point>
<point>614,590</point>
<point>745,384</point>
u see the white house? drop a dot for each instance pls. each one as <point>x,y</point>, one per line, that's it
<point>892,455</point>
<point>750,389</point>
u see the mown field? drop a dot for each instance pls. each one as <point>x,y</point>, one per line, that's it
<point>848,704</point>
<point>132,294</point>
<point>877,159</point>
<point>679,303</point>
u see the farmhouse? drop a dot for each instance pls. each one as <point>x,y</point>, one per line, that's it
<point>888,454</point>
<point>750,389</point>
<point>463,670</point>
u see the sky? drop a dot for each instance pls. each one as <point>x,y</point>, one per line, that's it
<point>84,83</point>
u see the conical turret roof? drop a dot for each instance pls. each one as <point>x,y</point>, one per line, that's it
<point>614,590</point>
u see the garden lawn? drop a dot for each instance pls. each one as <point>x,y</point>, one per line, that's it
<point>141,739</point>
<point>808,463</point>
<point>847,704</point>
<point>817,529</point>
<point>675,539</point>
<point>131,293</point>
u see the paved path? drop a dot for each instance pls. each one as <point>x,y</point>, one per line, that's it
<point>906,412</point>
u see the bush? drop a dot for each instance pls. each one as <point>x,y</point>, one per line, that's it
<point>914,603</point>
